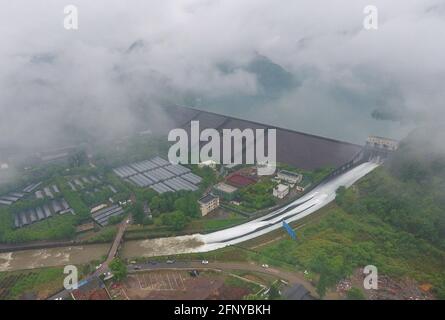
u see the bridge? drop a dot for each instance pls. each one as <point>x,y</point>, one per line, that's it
<point>65,293</point>
<point>114,248</point>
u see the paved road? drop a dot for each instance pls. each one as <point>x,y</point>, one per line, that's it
<point>288,276</point>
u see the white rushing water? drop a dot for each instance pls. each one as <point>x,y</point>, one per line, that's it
<point>304,206</point>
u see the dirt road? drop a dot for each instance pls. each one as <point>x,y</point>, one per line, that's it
<point>288,276</point>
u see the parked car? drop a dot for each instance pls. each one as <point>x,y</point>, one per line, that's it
<point>204,262</point>
<point>265,265</point>
<point>170,261</point>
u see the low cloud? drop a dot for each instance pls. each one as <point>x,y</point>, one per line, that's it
<point>127,59</point>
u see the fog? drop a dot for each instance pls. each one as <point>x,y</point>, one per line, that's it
<point>306,65</point>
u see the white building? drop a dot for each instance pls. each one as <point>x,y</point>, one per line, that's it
<point>266,169</point>
<point>97,208</point>
<point>289,176</point>
<point>281,191</point>
<point>300,189</point>
<point>383,143</point>
<point>208,163</point>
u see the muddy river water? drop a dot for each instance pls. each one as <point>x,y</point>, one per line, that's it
<point>38,258</point>
<point>77,255</point>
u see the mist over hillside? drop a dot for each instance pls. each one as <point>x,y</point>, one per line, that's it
<point>421,156</point>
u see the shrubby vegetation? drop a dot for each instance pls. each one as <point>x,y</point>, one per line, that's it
<point>118,268</point>
<point>174,209</point>
<point>208,176</point>
<point>258,196</point>
<point>74,200</point>
<point>309,176</point>
<point>341,242</point>
<point>177,209</point>
<point>183,201</point>
<point>45,281</point>
<point>355,294</point>
<point>408,193</point>
<point>177,220</point>
<point>105,234</point>
<point>56,228</point>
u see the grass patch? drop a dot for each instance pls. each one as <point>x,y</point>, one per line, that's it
<point>39,283</point>
<point>106,234</point>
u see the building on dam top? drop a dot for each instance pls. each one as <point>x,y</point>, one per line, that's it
<point>383,143</point>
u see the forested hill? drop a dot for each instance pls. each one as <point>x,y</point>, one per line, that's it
<point>409,190</point>
<point>393,218</point>
<point>397,212</point>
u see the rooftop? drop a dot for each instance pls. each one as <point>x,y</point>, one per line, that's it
<point>207,198</point>
<point>282,187</point>
<point>91,290</point>
<point>102,216</point>
<point>290,173</point>
<point>240,180</point>
<point>383,138</point>
<point>297,292</point>
<point>224,187</point>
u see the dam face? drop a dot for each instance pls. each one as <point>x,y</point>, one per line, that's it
<point>298,149</point>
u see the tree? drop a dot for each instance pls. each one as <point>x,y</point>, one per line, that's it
<point>115,220</point>
<point>118,268</point>
<point>147,221</point>
<point>155,203</point>
<point>322,285</point>
<point>137,211</point>
<point>274,293</point>
<point>355,294</point>
<point>188,205</point>
<point>78,159</point>
<point>177,220</point>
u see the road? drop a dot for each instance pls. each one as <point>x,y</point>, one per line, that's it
<point>288,276</point>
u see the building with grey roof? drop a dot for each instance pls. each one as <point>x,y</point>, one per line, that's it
<point>103,216</point>
<point>297,292</point>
